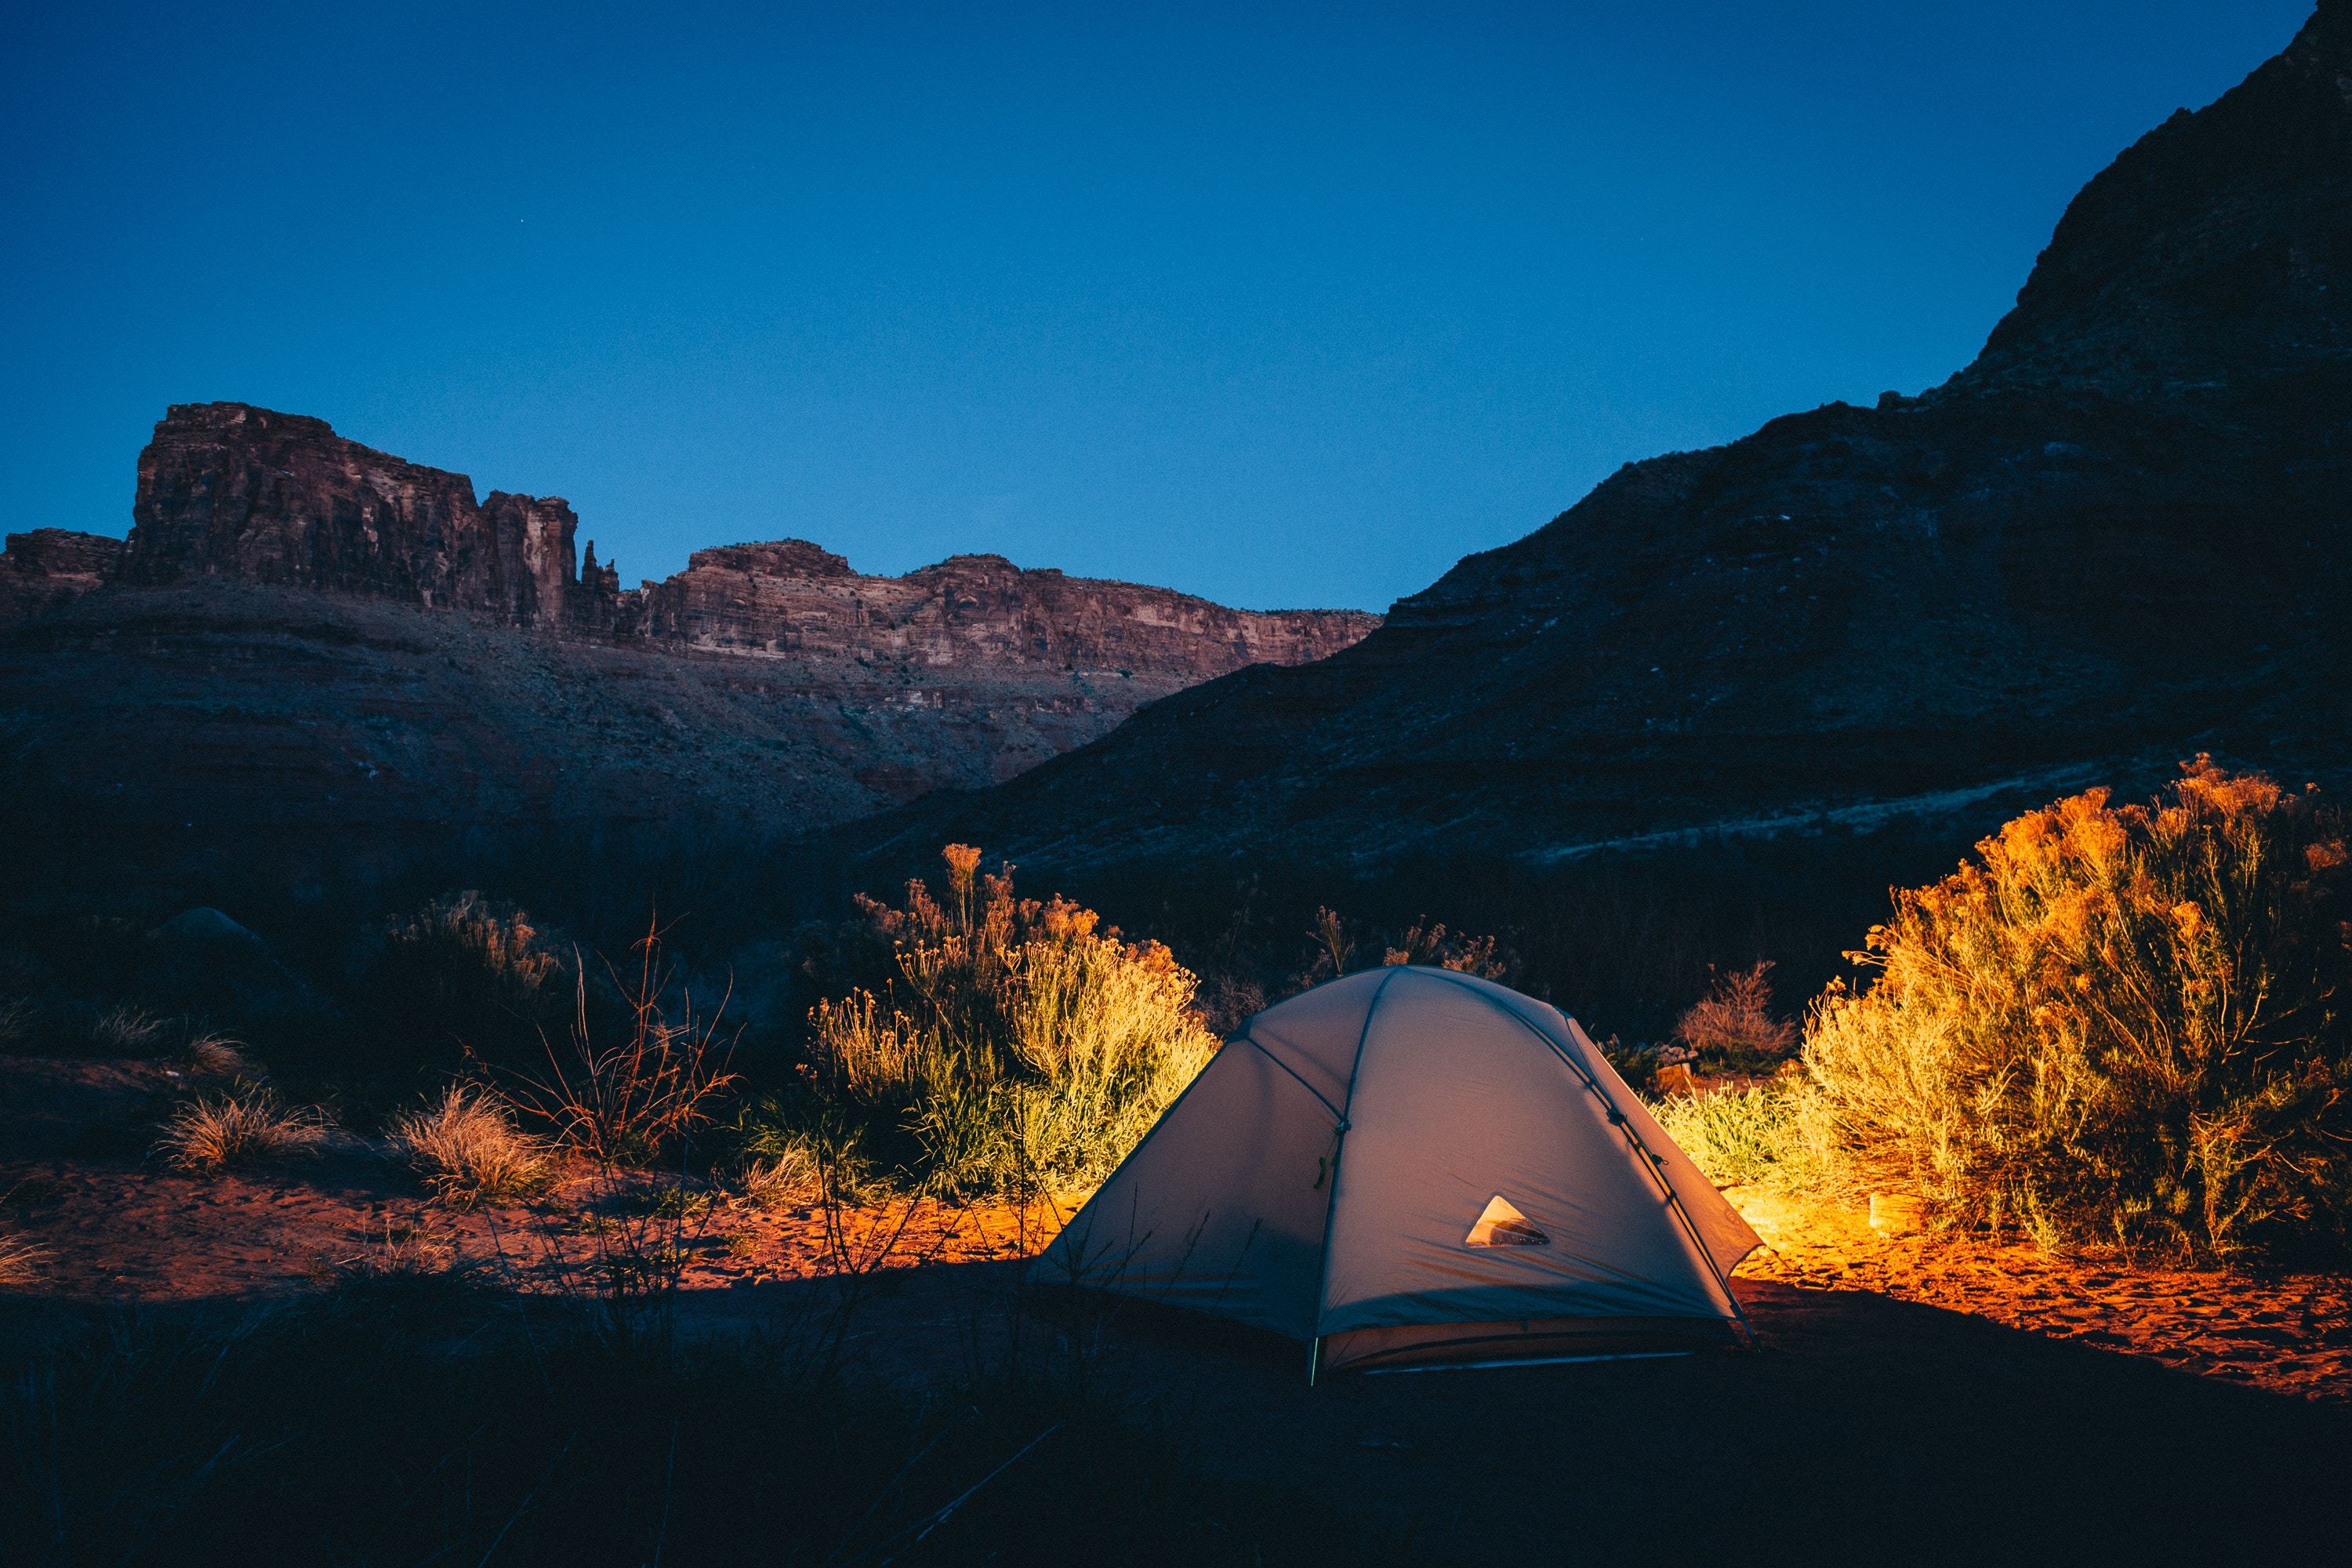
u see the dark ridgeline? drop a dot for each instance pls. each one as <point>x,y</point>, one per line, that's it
<point>2119,537</point>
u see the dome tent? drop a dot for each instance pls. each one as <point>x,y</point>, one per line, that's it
<point>1409,1166</point>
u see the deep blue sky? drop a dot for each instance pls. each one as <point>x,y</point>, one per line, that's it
<point>1285,312</point>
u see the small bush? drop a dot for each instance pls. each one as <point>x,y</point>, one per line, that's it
<point>1333,943</point>
<point>1017,1044</point>
<point>218,1132</point>
<point>468,1151</point>
<point>474,971</point>
<point>1733,1023</point>
<point>2118,1024</point>
<point>19,1020</point>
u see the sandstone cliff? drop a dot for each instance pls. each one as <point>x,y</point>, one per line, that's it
<point>229,491</point>
<point>2123,536</point>
<point>43,569</point>
<point>303,636</point>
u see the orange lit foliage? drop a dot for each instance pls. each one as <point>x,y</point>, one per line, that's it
<point>2119,1023</point>
<point>1015,1043</point>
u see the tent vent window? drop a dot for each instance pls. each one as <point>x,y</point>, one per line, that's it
<point>1502,1225</point>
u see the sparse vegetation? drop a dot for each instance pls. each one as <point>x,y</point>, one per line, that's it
<point>473,972</point>
<point>218,1056</point>
<point>2123,1024</point>
<point>1733,1026</point>
<point>215,1132</point>
<point>792,1179</point>
<point>1744,1137</point>
<point>468,1148</point>
<point>126,1030</point>
<point>624,1100</point>
<point>1014,1044</point>
<point>20,1261</point>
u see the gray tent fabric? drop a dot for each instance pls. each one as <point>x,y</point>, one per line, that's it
<point>1337,1173</point>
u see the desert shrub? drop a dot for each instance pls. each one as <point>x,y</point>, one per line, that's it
<point>19,1021</point>
<point>474,971</point>
<point>468,1148</point>
<point>1335,944</point>
<point>791,1178</point>
<point>2118,1024</point>
<point>1747,1137</point>
<point>214,1133</point>
<point>1015,1043</point>
<point>1733,1025</point>
<point>623,1096</point>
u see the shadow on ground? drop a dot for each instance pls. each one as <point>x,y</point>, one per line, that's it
<point>1863,1429</point>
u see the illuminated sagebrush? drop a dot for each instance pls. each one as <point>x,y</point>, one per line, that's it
<point>1016,1042</point>
<point>2122,1023</point>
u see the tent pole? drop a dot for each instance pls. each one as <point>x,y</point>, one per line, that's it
<point>1313,1358</point>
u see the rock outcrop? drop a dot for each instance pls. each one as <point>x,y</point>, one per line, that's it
<point>2123,536</point>
<point>793,600</point>
<point>308,641</point>
<point>230,490</point>
<point>43,569</point>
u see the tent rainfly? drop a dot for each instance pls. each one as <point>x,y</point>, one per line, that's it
<point>1409,1166</point>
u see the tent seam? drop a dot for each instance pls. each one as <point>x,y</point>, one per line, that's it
<point>1331,1205</point>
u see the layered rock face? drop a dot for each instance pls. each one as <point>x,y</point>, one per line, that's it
<point>230,490</point>
<point>793,600</point>
<point>2123,536</point>
<point>227,490</point>
<point>306,636</point>
<point>43,569</point>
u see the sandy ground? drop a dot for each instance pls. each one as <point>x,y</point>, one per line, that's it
<point>115,1223</point>
<point>1964,1398</point>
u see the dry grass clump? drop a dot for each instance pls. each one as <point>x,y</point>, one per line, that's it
<point>18,1020</point>
<point>2119,1023</point>
<point>792,1179</point>
<point>1734,1022</point>
<point>1016,1042</point>
<point>215,1132</point>
<point>128,1031</point>
<point>468,1151</point>
<point>220,1055</point>
<point>20,1261</point>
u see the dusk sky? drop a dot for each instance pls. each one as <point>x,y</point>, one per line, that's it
<point>1284,305</point>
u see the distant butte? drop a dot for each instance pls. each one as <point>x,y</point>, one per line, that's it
<point>306,636</point>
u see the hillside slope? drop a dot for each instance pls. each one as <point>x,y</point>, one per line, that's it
<point>2122,535</point>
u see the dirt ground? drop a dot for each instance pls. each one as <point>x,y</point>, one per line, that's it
<point>1913,1397</point>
